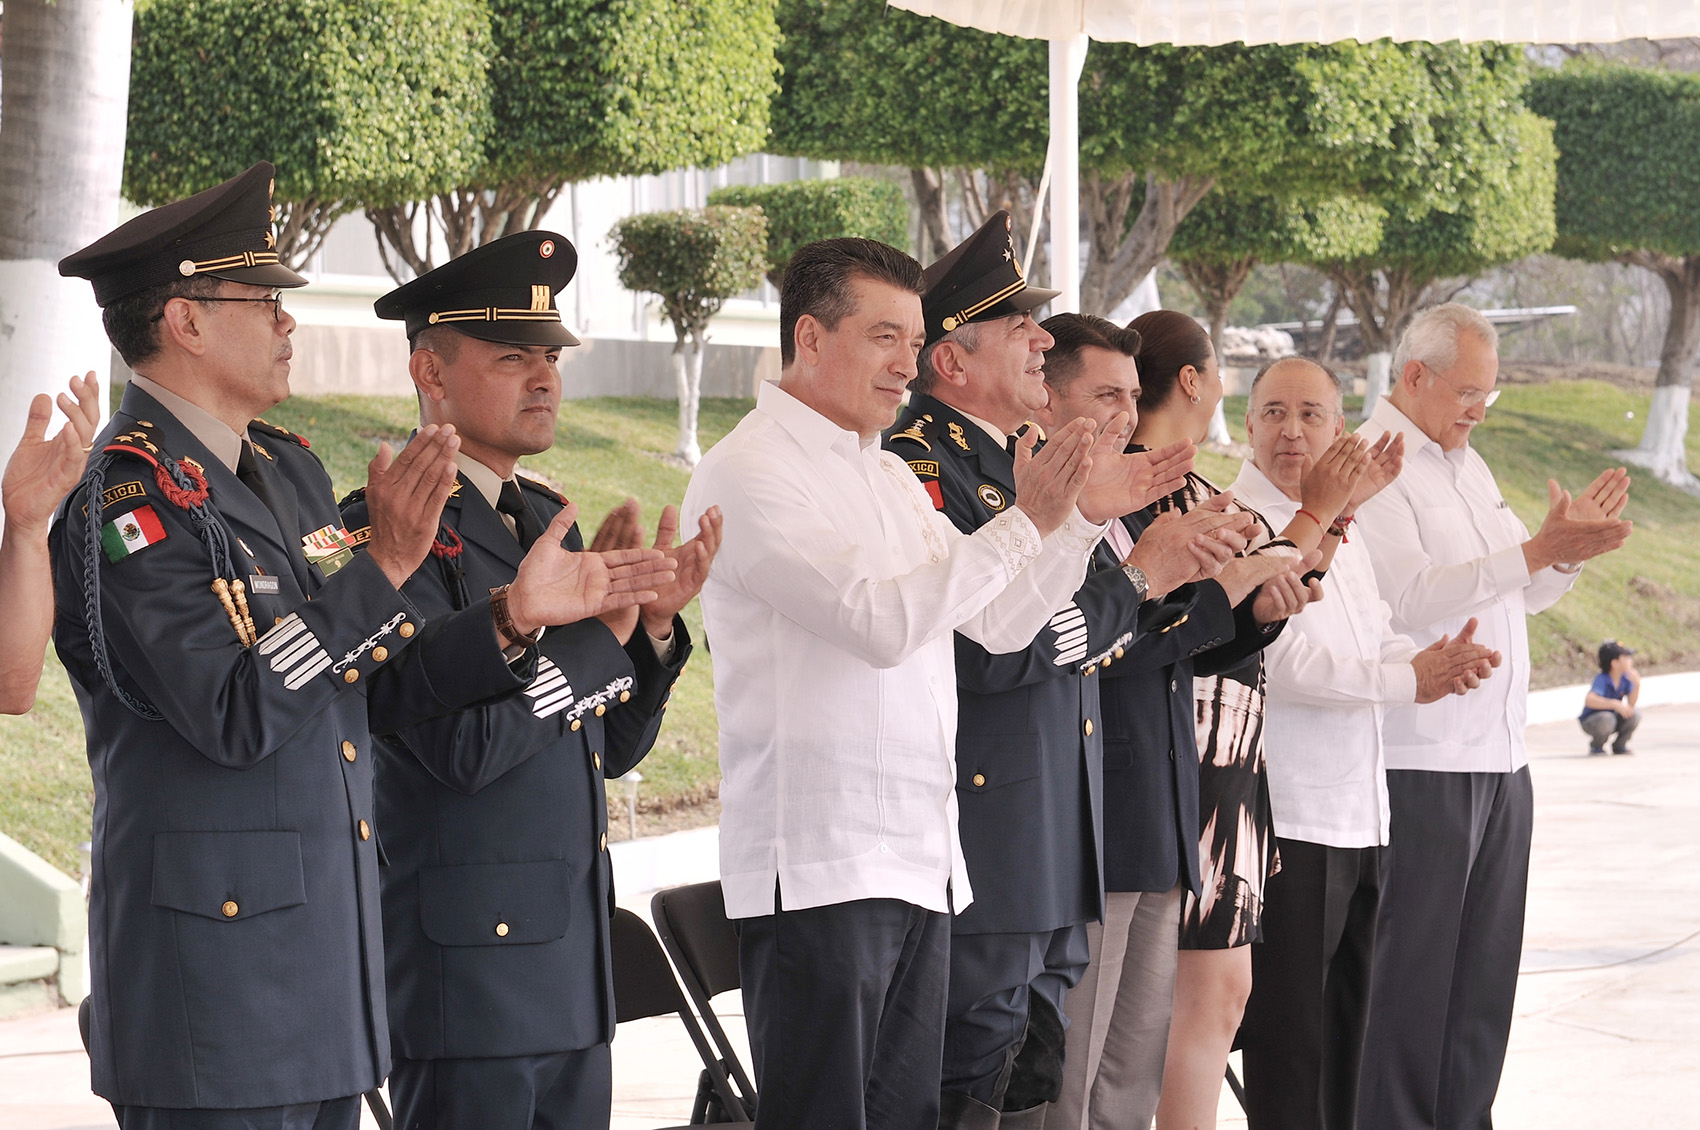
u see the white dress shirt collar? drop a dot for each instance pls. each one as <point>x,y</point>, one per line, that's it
<point>811,430</point>
<point>215,435</point>
<point>487,482</point>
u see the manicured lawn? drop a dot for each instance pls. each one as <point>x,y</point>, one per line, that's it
<point>1648,595</point>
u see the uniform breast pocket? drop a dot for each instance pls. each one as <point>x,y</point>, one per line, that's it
<point>227,876</point>
<point>495,904</point>
<point>992,763</point>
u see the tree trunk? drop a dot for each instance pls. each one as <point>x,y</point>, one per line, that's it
<point>929,196</point>
<point>1330,328</point>
<point>65,96</point>
<point>462,219</point>
<point>1217,285</point>
<point>1377,369</point>
<point>1662,448</point>
<point>687,379</point>
<point>1120,255</point>
<point>302,227</point>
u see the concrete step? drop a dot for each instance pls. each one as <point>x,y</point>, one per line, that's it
<point>27,963</point>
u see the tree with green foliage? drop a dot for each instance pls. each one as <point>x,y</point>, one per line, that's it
<point>1629,191</point>
<point>1228,234</point>
<point>590,88</point>
<point>1427,256</point>
<point>804,211</point>
<point>359,103</point>
<point>694,260</point>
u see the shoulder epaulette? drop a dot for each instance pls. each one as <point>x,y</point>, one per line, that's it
<point>541,488</point>
<point>281,433</point>
<point>915,432</point>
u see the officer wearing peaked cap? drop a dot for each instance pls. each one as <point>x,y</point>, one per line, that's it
<point>231,656</point>
<point>1029,741</point>
<point>498,889</point>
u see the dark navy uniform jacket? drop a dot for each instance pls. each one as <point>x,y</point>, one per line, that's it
<point>497,890</point>
<point>236,954</point>
<point>1029,752</point>
<point>1151,808</point>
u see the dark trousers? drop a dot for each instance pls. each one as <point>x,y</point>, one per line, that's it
<point>557,1091</point>
<point>845,1008</point>
<point>334,1114</point>
<point>1454,881</point>
<point>1602,725</point>
<point>992,978</point>
<point>1303,1033</point>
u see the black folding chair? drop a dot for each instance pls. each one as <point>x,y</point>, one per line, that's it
<point>374,1097</point>
<point>644,986</point>
<point>704,947</point>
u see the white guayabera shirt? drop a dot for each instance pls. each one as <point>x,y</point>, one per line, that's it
<point>1330,675</point>
<point>829,611</point>
<point>1447,547</point>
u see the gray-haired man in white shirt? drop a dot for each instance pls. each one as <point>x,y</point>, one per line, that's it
<point>830,610</point>
<point>1330,673</point>
<point>1447,549</point>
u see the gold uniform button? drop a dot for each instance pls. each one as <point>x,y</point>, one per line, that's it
<point>365,830</point>
<point>348,752</point>
<point>1120,652</point>
<point>350,675</point>
<point>406,631</point>
<point>979,779</point>
<point>1089,727</point>
<point>230,909</point>
<point>576,724</point>
<point>625,696</point>
<point>674,687</point>
<point>1107,660</point>
<point>601,710</point>
<point>501,929</point>
<point>603,844</point>
<point>596,760</point>
<point>1092,670</point>
<point>379,654</point>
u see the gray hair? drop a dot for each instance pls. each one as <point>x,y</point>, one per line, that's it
<point>1432,336</point>
<point>966,335</point>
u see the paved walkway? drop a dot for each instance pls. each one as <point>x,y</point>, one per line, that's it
<point>1608,1010</point>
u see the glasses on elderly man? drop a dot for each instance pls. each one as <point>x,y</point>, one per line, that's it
<point>275,300</point>
<point>1467,397</point>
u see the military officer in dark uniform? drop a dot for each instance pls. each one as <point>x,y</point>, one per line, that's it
<point>1029,736</point>
<point>497,892</point>
<point>231,654</point>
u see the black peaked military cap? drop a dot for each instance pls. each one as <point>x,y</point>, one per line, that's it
<point>978,280</point>
<point>504,291</point>
<point>224,231</point>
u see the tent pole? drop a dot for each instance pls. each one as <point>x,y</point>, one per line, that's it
<point>1068,56</point>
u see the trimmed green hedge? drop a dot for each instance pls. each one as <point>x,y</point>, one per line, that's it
<point>800,212</point>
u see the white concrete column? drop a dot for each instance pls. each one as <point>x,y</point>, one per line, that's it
<point>1068,56</point>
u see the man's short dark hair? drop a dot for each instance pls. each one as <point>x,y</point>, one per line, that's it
<point>443,340</point>
<point>132,322</point>
<point>818,282</point>
<point>1077,332</point>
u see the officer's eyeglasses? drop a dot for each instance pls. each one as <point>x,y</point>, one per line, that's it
<point>1467,397</point>
<point>276,301</point>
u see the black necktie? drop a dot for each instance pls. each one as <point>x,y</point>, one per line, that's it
<point>248,471</point>
<point>1009,445</point>
<point>512,502</point>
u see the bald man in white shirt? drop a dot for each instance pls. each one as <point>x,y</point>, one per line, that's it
<point>1448,549</point>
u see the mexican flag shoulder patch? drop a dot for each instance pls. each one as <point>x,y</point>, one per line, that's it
<point>131,533</point>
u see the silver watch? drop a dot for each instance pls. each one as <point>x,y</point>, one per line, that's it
<point>1137,576</point>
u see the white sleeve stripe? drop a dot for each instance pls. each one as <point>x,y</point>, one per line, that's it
<point>303,674</point>
<point>293,654</point>
<point>1072,655</point>
<point>552,703</point>
<point>542,686</point>
<point>279,635</point>
<point>1070,639</point>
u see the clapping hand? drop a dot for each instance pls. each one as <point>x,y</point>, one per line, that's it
<point>690,563</point>
<point>1330,482</point>
<point>1048,482</point>
<point>1453,665</point>
<point>558,586</point>
<point>42,471</point>
<point>1386,460</point>
<point>1605,497</point>
<point>1124,482</point>
<point>405,496</point>
<point>1285,594</point>
<point>1575,531</point>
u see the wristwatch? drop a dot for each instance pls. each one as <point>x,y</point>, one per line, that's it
<point>1136,576</point>
<point>505,622</point>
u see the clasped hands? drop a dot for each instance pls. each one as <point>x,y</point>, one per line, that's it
<point>405,494</point>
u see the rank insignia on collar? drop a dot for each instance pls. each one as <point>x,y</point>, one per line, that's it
<point>992,496</point>
<point>956,435</point>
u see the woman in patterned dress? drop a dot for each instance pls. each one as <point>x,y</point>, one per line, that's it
<point>1180,386</point>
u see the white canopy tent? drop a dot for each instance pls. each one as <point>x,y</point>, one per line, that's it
<point>1070,25</point>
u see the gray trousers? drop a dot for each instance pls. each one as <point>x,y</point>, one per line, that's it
<point>1601,725</point>
<point>1448,942</point>
<point>1118,1016</point>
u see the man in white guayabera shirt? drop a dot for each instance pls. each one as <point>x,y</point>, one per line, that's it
<point>1447,549</point>
<point>1330,674</point>
<point>830,611</point>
